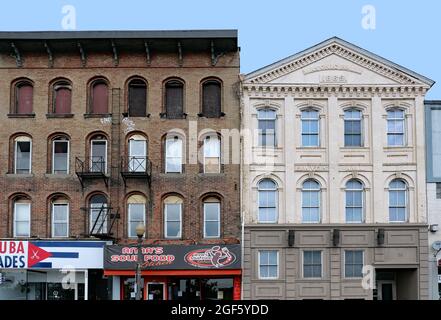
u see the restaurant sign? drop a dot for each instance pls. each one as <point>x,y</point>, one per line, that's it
<point>117,257</point>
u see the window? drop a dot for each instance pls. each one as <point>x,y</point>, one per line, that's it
<point>211,154</point>
<point>354,201</point>
<point>211,99</point>
<point>353,263</point>
<point>174,99</point>
<point>267,127</point>
<point>137,154</point>
<point>395,127</point>
<point>353,128</point>
<point>22,218</point>
<point>173,217</point>
<point>173,155</point>
<point>311,201</point>
<point>310,128</point>
<point>24,95</point>
<point>23,155</point>
<point>268,264</point>
<point>60,156</point>
<point>98,214</point>
<point>136,212</point>
<point>267,189</point>
<point>211,218</point>
<point>312,264</point>
<point>99,100</point>
<point>137,106</point>
<point>62,97</point>
<point>98,155</point>
<point>60,218</point>
<point>397,201</point>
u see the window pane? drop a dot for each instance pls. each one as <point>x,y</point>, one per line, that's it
<point>212,211</point>
<point>173,229</point>
<point>60,156</point>
<point>136,211</point>
<point>173,212</point>
<point>60,230</point>
<point>23,157</point>
<point>212,229</point>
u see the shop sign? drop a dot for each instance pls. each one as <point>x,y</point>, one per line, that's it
<point>51,254</point>
<point>117,257</point>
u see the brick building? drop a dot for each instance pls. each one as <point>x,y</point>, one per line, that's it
<point>105,130</point>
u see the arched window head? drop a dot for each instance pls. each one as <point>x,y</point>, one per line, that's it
<point>137,99</point>
<point>310,201</point>
<point>98,211</point>
<point>267,127</point>
<point>267,190</point>
<point>211,207</point>
<point>173,217</point>
<point>398,201</point>
<point>136,205</point>
<point>174,99</point>
<point>395,127</point>
<point>211,99</point>
<point>23,97</point>
<point>61,97</point>
<point>353,128</point>
<point>99,97</point>
<point>354,201</point>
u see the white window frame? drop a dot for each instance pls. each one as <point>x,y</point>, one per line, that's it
<point>28,204</point>
<point>363,208</point>
<point>258,265</point>
<point>403,119</point>
<point>344,263</point>
<point>310,119</point>
<point>275,128</point>
<point>167,157</point>
<point>218,157</point>
<point>406,201</point>
<point>130,220</point>
<point>218,220</point>
<point>131,140</point>
<point>303,264</point>
<point>361,128</point>
<point>16,155</point>
<point>68,155</point>
<point>53,220</point>
<point>319,190</point>
<point>105,154</point>
<point>276,191</point>
<point>179,236</point>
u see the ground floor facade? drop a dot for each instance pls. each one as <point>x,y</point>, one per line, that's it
<point>384,262</point>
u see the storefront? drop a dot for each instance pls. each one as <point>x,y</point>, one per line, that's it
<point>51,270</point>
<point>174,272</point>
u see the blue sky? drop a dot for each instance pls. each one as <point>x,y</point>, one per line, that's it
<point>407,32</point>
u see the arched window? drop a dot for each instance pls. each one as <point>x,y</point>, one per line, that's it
<point>310,201</point>
<point>61,97</point>
<point>397,201</point>
<point>137,104</point>
<point>395,127</point>
<point>173,154</point>
<point>353,128</point>
<point>23,155</point>
<point>99,97</point>
<point>60,155</point>
<point>98,154</point>
<point>212,154</point>
<point>98,214</point>
<point>23,97</point>
<point>267,127</point>
<point>174,99</point>
<point>310,128</point>
<point>136,205</point>
<point>137,153</point>
<point>211,217</point>
<point>267,189</point>
<point>173,217</point>
<point>22,217</point>
<point>354,201</point>
<point>60,217</point>
<point>211,99</point>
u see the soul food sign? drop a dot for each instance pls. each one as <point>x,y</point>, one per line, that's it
<point>173,257</point>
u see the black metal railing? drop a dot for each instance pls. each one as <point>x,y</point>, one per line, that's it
<point>90,165</point>
<point>101,221</point>
<point>134,165</point>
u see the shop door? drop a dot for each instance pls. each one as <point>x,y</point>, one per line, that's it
<point>386,290</point>
<point>156,291</point>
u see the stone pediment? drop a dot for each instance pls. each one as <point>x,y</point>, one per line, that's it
<point>336,62</point>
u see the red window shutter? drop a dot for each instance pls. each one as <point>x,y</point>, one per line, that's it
<point>24,99</point>
<point>100,96</point>
<point>62,100</point>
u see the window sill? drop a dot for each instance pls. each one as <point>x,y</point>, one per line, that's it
<point>222,115</point>
<point>311,148</point>
<point>172,174</point>
<point>398,148</point>
<point>219,174</point>
<point>20,175</point>
<point>97,115</point>
<point>59,115</point>
<point>58,175</point>
<point>354,148</point>
<point>18,115</point>
<point>163,115</point>
<point>127,115</point>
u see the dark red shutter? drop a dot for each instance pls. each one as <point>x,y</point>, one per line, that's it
<point>100,96</point>
<point>62,100</point>
<point>137,100</point>
<point>174,100</point>
<point>211,99</point>
<point>25,94</point>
